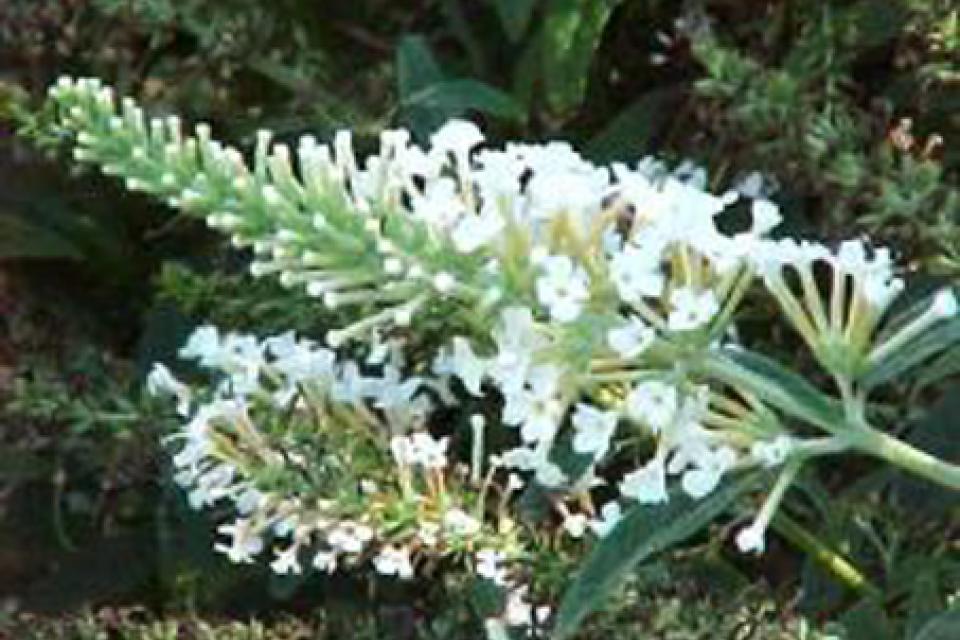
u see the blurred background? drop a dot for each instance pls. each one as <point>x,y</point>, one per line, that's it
<point>847,113</point>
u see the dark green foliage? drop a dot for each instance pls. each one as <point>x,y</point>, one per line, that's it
<point>643,532</point>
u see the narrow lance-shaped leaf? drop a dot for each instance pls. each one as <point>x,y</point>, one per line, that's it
<point>452,97</point>
<point>515,16</point>
<point>643,532</point>
<point>776,385</point>
<point>634,130</point>
<point>945,626</point>
<point>926,346</point>
<point>417,69</point>
<point>571,33</point>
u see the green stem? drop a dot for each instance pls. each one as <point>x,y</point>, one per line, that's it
<point>823,555</point>
<point>59,527</point>
<point>897,452</point>
<point>814,407</point>
<point>796,398</point>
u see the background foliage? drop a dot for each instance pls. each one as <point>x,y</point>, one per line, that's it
<point>850,108</point>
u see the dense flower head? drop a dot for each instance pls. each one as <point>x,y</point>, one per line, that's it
<point>587,333</point>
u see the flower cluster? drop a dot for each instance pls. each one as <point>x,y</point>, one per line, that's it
<point>594,312</point>
<point>350,473</point>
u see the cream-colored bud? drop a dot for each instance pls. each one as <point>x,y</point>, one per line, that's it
<point>331,299</point>
<point>945,303</point>
<point>403,316</point>
<point>444,282</point>
<point>393,266</point>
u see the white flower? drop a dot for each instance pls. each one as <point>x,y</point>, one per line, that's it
<point>751,539</point>
<point>536,408</point>
<point>460,523</point>
<point>245,543</point>
<point>576,192</point>
<point>497,175</point>
<point>211,485</point>
<point>563,288</point>
<point>440,204</point>
<point>772,453</point>
<point>594,428</point>
<point>610,515</point>
<point>750,185</point>
<point>636,273</point>
<point>880,289</point>
<point>945,304</point>
<point>203,345</point>
<point>351,387</point>
<point>467,366</point>
<point>489,566</point>
<point>632,338</point>
<point>419,449</point>
<point>648,484</point>
<point>709,468</point>
<point>517,337</point>
<point>851,257</point>
<point>521,458</point>
<point>549,474</point>
<point>349,537</point>
<point>394,561</point>
<point>161,381</point>
<point>766,216</point>
<point>248,500</point>
<point>286,561</point>
<point>700,481</point>
<point>239,356</point>
<point>456,137</point>
<point>653,403</point>
<point>520,613</point>
<point>692,309</point>
<point>429,533</point>
<point>428,451</point>
<point>474,231</point>
<point>285,526</point>
<point>402,451</point>
<point>301,361</point>
<point>575,525</point>
<point>325,561</point>
<point>394,394</point>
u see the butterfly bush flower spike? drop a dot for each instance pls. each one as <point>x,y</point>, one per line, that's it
<point>553,304</point>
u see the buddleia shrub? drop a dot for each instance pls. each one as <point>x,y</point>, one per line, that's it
<point>517,325</point>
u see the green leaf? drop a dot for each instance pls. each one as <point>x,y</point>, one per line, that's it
<point>942,367</point>
<point>486,598</point>
<point>571,33</point>
<point>515,16</point>
<point>450,98</point>
<point>867,621</point>
<point>643,532</point>
<point>417,69</point>
<point>20,238</point>
<point>633,130</point>
<point>945,626</point>
<point>776,385</point>
<point>40,221</point>
<point>428,98</point>
<point>926,346</point>
<point>937,432</point>
<point>925,602</point>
